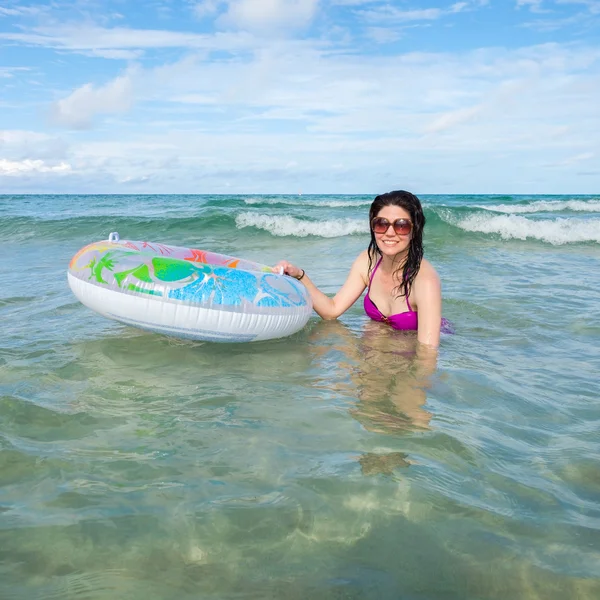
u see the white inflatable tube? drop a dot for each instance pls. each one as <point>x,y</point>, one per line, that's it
<point>187,293</point>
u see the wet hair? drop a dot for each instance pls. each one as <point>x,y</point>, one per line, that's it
<point>411,204</point>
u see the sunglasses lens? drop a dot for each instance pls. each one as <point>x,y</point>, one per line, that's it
<point>402,226</point>
<point>380,225</point>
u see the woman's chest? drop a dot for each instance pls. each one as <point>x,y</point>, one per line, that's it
<point>385,294</point>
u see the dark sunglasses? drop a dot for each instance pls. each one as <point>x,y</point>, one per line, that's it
<point>401,226</point>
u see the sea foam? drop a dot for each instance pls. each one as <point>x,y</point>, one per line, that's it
<point>306,202</point>
<point>556,231</point>
<point>546,206</point>
<point>282,226</point>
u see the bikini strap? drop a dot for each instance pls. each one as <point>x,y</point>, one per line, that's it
<point>373,271</point>
<point>407,302</point>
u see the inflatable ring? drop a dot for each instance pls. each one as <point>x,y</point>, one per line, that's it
<point>187,293</point>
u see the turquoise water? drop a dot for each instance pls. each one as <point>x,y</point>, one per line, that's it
<point>331,464</point>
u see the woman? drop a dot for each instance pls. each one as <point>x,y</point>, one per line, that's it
<point>404,289</point>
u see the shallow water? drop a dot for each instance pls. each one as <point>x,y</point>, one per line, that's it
<point>330,464</point>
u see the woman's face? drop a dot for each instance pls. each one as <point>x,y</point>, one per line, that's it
<point>391,243</point>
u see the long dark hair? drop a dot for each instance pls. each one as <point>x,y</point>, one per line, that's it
<point>410,203</point>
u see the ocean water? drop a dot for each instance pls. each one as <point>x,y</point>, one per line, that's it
<point>330,464</point>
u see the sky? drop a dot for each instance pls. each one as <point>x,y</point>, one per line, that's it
<point>300,96</point>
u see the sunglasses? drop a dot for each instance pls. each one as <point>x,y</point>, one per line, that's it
<point>401,226</point>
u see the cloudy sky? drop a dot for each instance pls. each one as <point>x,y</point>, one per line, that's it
<point>318,96</point>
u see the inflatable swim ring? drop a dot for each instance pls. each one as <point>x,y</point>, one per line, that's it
<point>187,293</point>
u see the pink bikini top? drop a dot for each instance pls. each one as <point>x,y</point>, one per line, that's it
<point>406,320</point>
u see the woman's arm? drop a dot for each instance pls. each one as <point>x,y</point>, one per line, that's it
<point>332,308</point>
<point>428,294</point>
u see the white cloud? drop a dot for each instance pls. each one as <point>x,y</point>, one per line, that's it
<point>7,72</point>
<point>533,5</point>
<point>592,5</point>
<point>383,35</point>
<point>353,2</point>
<point>390,13</point>
<point>265,15</point>
<point>115,54</point>
<point>17,137</point>
<point>21,11</point>
<point>453,118</point>
<point>552,23</point>
<point>78,109</point>
<point>84,38</point>
<point>18,12</point>
<point>18,145</point>
<point>207,8</point>
<point>128,180</point>
<point>15,168</point>
<point>572,160</point>
<point>9,12</point>
<point>194,99</point>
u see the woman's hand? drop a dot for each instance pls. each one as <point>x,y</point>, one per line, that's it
<point>326,307</point>
<point>287,268</point>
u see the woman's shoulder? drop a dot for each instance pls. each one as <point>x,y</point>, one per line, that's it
<point>427,275</point>
<point>361,264</point>
<point>362,260</point>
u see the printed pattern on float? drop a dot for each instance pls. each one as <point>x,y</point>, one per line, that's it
<point>186,275</point>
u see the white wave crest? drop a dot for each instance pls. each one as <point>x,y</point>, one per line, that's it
<point>290,226</point>
<point>304,202</point>
<point>546,206</point>
<point>557,231</point>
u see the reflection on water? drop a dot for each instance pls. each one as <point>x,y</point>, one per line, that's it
<point>385,464</point>
<point>387,373</point>
<point>134,466</point>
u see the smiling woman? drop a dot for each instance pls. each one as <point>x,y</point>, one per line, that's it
<point>404,289</point>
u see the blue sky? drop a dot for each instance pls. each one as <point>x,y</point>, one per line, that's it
<point>318,96</point>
